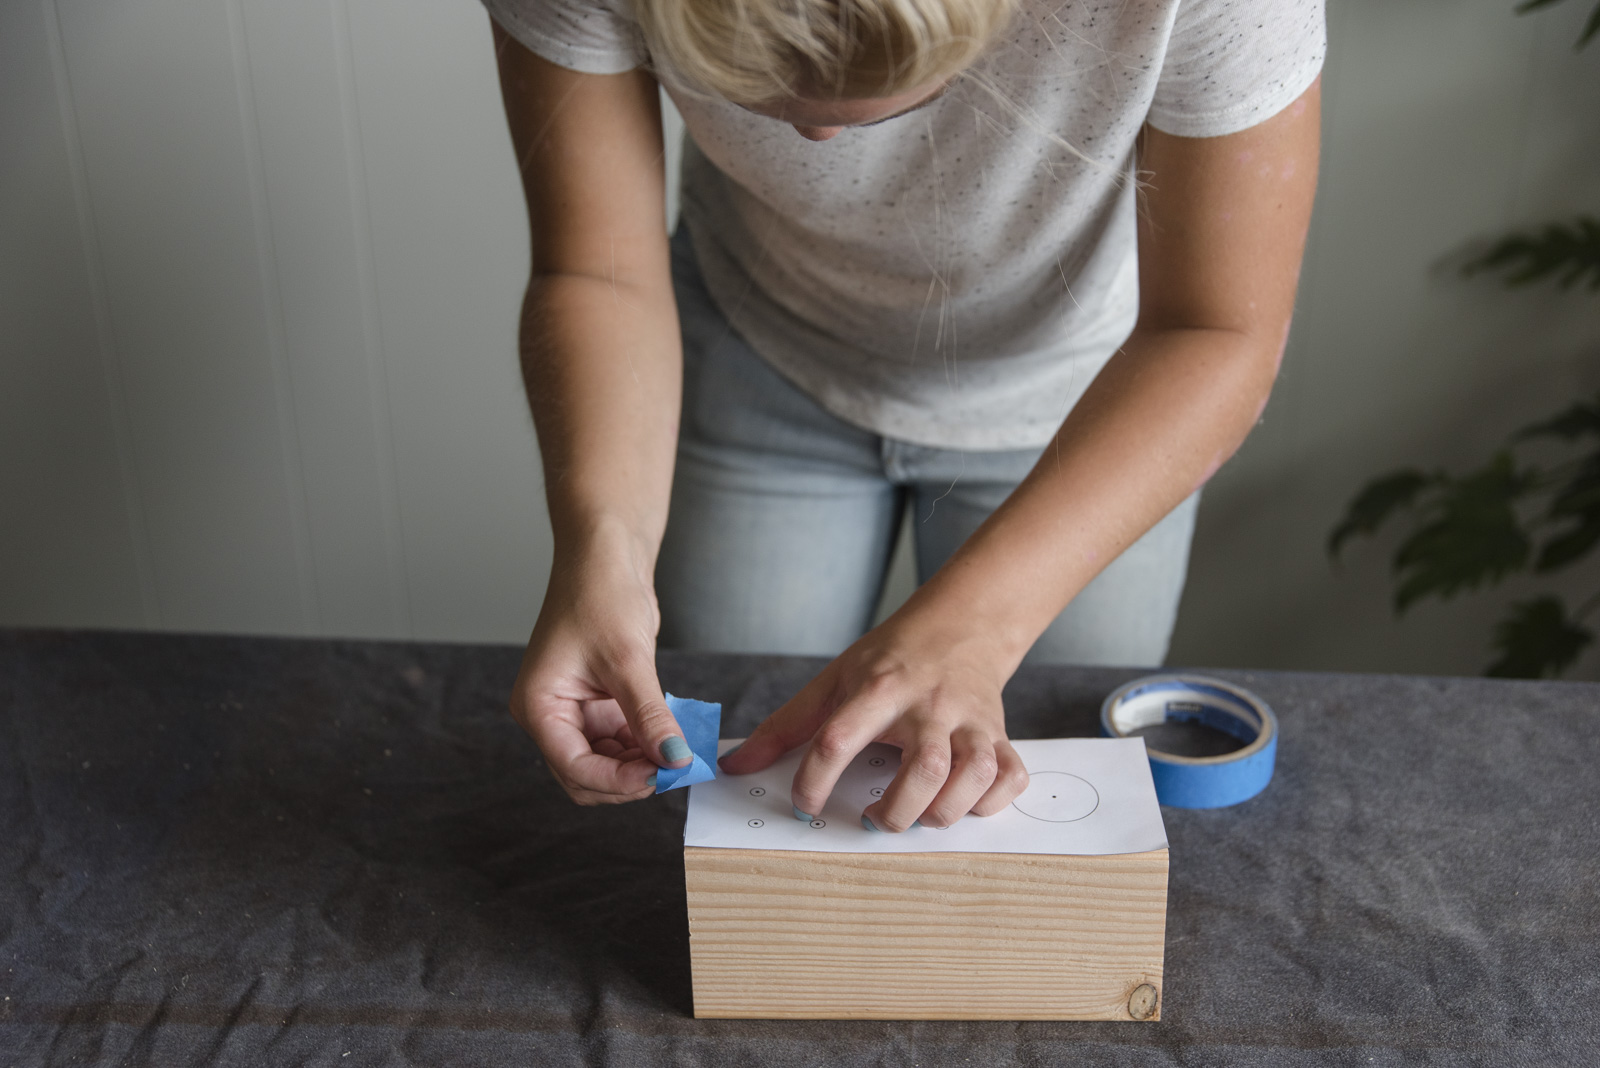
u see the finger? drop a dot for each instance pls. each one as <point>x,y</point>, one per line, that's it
<point>585,796</point>
<point>790,726</point>
<point>1010,779</point>
<point>557,729</point>
<point>601,719</point>
<point>973,767</point>
<point>638,692</point>
<point>620,733</point>
<point>596,779</point>
<point>854,726</point>
<point>924,770</point>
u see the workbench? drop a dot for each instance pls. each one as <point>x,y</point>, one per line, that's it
<point>248,851</point>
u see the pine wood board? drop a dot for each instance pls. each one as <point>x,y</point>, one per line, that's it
<point>786,934</point>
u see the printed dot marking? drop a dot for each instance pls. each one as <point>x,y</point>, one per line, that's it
<point>758,823</point>
<point>757,791</point>
<point>876,762</point>
<point>819,824</point>
<point>877,791</point>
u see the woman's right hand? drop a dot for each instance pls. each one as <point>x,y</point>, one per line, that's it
<point>601,360</point>
<point>587,691</point>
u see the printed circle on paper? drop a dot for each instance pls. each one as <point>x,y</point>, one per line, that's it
<point>1057,797</point>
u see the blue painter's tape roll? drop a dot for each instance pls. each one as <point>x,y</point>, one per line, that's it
<point>1198,782</point>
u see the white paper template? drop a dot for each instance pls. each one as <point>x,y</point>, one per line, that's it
<point>1086,796</point>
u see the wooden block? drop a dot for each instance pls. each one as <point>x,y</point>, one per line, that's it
<point>926,936</point>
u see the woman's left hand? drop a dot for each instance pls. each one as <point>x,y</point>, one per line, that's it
<point>931,689</point>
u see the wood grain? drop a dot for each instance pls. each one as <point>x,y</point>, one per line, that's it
<point>924,936</point>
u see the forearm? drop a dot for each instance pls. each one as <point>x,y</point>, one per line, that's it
<point>599,332</point>
<point>1222,228</point>
<point>1158,421</point>
<point>602,365</point>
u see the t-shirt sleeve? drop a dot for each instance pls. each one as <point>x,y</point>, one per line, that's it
<point>1231,64</point>
<point>590,36</point>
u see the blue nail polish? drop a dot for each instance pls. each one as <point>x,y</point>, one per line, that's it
<point>730,752</point>
<point>675,749</point>
<point>651,781</point>
<point>868,824</point>
<point>801,816</point>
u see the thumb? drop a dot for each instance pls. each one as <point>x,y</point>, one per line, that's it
<point>638,693</point>
<point>790,726</point>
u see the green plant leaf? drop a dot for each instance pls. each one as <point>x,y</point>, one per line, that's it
<point>1470,536</point>
<point>1590,28</point>
<point>1570,545</point>
<point>1537,640</point>
<point>1377,500</point>
<point>1568,252</point>
<point>1580,419</point>
<point>1576,507</point>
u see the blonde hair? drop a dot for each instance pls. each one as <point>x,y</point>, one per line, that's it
<point>757,51</point>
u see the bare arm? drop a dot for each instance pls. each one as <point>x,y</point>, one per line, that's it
<point>602,364</point>
<point>1220,243</point>
<point>1221,233</point>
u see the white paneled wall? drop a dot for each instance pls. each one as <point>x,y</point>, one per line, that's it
<point>262,259</point>
<point>259,269</point>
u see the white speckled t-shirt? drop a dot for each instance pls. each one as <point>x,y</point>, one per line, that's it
<point>954,277</point>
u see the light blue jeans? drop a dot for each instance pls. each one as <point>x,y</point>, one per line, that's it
<point>783,517</point>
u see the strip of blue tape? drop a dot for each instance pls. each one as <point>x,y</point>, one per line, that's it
<point>1199,782</point>
<point>701,722</point>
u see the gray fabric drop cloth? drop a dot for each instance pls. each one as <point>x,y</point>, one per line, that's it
<point>266,852</point>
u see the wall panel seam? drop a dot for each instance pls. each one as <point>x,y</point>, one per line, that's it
<point>1520,180</point>
<point>379,392</point>
<point>290,445</point>
<point>109,358</point>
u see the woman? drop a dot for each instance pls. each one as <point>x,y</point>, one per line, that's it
<point>1030,266</point>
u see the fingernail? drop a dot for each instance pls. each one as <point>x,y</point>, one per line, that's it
<point>730,752</point>
<point>868,824</point>
<point>916,823</point>
<point>675,749</point>
<point>801,815</point>
<point>651,781</point>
